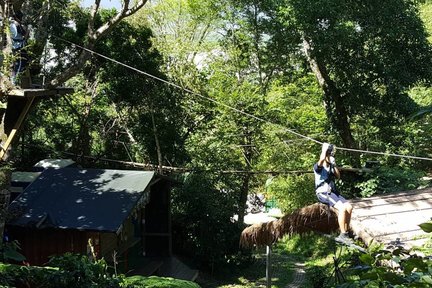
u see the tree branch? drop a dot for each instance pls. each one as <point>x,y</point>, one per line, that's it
<point>95,36</point>
<point>124,12</point>
<point>93,13</point>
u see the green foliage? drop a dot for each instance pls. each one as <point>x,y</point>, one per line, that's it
<point>426,16</point>
<point>202,221</point>
<point>79,271</point>
<point>379,267</point>
<point>310,245</point>
<point>113,110</point>
<point>316,252</point>
<point>5,175</point>
<point>427,227</point>
<point>75,271</point>
<point>292,192</point>
<point>156,282</point>
<point>390,179</point>
<point>9,252</point>
<point>391,268</point>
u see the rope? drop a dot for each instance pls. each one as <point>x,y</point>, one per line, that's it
<point>235,109</point>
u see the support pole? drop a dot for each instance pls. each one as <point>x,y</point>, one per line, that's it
<point>268,267</point>
<point>11,136</point>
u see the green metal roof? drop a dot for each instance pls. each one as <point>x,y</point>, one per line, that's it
<point>24,177</point>
<point>88,199</point>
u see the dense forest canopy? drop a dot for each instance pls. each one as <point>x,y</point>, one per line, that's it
<point>350,73</point>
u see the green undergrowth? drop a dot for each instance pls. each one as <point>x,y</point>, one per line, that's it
<point>83,276</point>
<point>315,251</point>
<point>156,282</point>
<point>319,255</point>
<point>252,274</point>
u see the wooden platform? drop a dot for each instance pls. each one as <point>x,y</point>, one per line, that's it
<point>40,92</point>
<point>393,218</point>
<point>18,106</point>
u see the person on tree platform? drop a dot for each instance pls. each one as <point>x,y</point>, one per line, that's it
<point>19,35</point>
<point>326,171</point>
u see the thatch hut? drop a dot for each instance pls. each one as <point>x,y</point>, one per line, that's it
<point>387,219</point>
<point>316,217</point>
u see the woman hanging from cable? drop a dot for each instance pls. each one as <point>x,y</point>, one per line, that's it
<point>326,171</point>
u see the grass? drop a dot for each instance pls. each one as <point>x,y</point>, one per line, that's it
<point>252,275</point>
<point>315,251</point>
<point>156,282</point>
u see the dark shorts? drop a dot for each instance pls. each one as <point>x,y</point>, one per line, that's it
<point>330,199</point>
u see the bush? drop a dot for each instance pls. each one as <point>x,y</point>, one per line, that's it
<point>69,271</point>
<point>390,179</point>
<point>202,222</point>
<point>318,276</point>
<point>12,275</point>
<point>79,273</point>
<point>156,282</point>
<point>292,192</point>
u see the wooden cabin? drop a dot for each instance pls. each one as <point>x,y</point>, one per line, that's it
<point>118,210</point>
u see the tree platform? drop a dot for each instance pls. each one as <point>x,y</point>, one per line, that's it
<point>18,105</point>
<point>40,92</point>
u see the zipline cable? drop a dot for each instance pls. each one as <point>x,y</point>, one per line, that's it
<point>189,91</point>
<point>235,109</point>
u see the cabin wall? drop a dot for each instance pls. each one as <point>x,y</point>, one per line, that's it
<point>148,230</point>
<point>37,245</point>
<point>108,245</point>
<point>157,240</point>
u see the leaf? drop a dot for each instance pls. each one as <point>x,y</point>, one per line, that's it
<point>393,278</point>
<point>369,276</point>
<point>426,279</point>
<point>13,255</point>
<point>367,259</point>
<point>268,182</point>
<point>414,263</point>
<point>427,227</point>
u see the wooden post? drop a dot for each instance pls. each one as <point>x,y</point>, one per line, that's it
<point>11,136</point>
<point>268,267</point>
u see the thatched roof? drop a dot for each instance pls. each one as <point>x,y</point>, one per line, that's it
<point>316,217</point>
<point>390,218</point>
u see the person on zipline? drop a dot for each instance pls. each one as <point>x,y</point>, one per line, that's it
<point>325,171</point>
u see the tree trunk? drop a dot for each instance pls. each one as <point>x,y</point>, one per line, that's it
<point>82,144</point>
<point>5,178</point>
<point>333,101</point>
<point>158,148</point>
<point>244,189</point>
<point>5,47</point>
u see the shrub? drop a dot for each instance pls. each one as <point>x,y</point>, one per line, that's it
<point>292,192</point>
<point>69,271</point>
<point>156,282</point>
<point>390,179</point>
<point>202,221</point>
<point>78,271</point>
